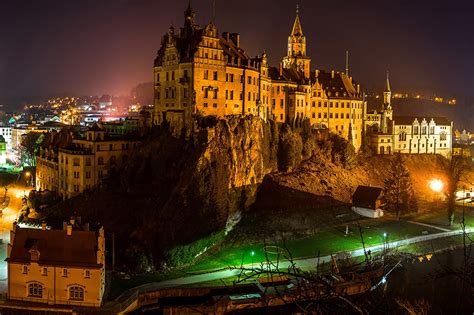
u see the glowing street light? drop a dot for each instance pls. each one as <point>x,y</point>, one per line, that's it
<point>436,185</point>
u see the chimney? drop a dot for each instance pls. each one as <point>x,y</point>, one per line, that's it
<point>281,68</point>
<point>225,35</point>
<point>43,226</point>
<point>69,230</point>
<point>235,37</point>
<point>332,74</point>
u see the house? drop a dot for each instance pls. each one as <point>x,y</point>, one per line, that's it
<point>56,267</point>
<point>366,201</point>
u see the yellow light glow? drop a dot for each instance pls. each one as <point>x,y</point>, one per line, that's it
<point>436,185</point>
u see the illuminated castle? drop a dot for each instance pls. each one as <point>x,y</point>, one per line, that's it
<point>198,71</point>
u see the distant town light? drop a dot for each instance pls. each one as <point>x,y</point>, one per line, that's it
<point>436,185</point>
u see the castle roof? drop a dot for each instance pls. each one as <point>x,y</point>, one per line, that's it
<point>338,86</point>
<point>287,74</point>
<point>55,247</point>
<point>297,30</point>
<point>409,120</point>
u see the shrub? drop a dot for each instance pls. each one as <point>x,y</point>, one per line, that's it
<point>185,254</point>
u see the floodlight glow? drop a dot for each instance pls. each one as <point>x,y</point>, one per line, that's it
<point>436,185</point>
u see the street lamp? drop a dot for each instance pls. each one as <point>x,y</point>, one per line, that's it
<point>436,185</point>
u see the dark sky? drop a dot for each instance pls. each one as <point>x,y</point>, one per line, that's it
<point>107,46</point>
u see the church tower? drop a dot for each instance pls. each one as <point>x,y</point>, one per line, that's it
<point>296,56</point>
<point>387,112</point>
<point>387,94</point>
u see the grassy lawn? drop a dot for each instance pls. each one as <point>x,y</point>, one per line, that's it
<point>441,218</point>
<point>328,241</point>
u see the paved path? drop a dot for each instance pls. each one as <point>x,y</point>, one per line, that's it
<point>127,297</point>
<point>430,225</point>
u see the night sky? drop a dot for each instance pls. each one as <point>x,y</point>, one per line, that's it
<point>50,47</point>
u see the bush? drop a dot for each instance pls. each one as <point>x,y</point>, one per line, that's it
<point>185,254</point>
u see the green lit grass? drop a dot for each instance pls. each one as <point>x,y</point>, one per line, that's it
<point>326,242</point>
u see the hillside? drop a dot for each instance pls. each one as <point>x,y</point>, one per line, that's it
<point>174,191</point>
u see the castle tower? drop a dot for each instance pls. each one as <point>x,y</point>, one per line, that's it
<point>296,55</point>
<point>387,94</point>
<point>387,112</point>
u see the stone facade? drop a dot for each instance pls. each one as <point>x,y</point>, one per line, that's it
<point>197,71</point>
<point>80,163</point>
<point>407,134</point>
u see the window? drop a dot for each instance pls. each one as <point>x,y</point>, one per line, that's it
<point>88,175</point>
<point>87,274</point>
<point>423,130</point>
<point>402,136</point>
<point>25,269</point>
<point>442,136</point>
<point>35,290</point>
<point>206,93</point>
<point>231,95</point>
<point>415,130</point>
<point>76,174</point>
<point>76,162</point>
<point>206,74</point>
<point>76,293</point>
<point>88,161</point>
<point>111,147</point>
<point>432,130</point>
<point>215,75</point>
<point>215,94</point>
<point>64,272</point>
<point>76,188</point>
<point>98,147</point>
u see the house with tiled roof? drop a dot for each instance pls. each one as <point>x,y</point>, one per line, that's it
<point>56,267</point>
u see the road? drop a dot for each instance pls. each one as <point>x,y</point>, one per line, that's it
<point>9,214</point>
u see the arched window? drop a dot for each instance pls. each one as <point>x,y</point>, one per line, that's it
<point>402,136</point>
<point>35,290</point>
<point>76,293</point>
<point>100,161</point>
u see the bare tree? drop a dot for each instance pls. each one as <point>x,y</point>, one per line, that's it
<point>456,168</point>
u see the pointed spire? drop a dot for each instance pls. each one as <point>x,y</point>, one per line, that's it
<point>387,84</point>
<point>297,29</point>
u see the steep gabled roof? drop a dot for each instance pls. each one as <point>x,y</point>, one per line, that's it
<point>55,247</point>
<point>297,30</point>
<point>409,120</point>
<point>366,195</point>
<point>288,74</point>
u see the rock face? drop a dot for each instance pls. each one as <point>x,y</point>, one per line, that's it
<point>199,182</point>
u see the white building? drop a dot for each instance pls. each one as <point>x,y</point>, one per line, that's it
<point>6,132</point>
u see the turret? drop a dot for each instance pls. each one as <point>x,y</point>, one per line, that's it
<point>296,56</point>
<point>387,94</point>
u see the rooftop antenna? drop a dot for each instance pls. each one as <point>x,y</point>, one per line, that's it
<point>347,62</point>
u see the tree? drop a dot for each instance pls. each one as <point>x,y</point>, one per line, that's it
<point>456,168</point>
<point>28,147</point>
<point>398,192</point>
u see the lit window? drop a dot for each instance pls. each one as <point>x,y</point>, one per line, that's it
<point>44,271</point>
<point>87,274</point>
<point>64,272</point>
<point>35,290</point>
<point>25,269</point>
<point>76,293</point>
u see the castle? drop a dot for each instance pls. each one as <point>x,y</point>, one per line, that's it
<point>197,71</point>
